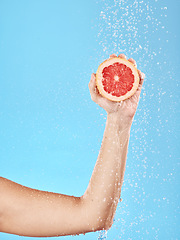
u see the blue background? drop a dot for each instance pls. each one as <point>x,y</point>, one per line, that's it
<point>51,131</point>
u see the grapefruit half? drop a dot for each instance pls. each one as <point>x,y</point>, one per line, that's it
<point>117,79</point>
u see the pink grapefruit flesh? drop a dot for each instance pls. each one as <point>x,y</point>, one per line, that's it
<point>117,79</point>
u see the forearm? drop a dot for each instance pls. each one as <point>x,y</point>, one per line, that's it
<point>104,189</point>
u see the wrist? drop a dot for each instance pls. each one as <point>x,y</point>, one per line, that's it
<point>123,123</point>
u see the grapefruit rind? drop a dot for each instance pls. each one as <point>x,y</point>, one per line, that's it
<point>99,78</point>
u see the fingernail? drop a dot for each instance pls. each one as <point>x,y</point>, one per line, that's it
<point>92,75</point>
<point>142,75</point>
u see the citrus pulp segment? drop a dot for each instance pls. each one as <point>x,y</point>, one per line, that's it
<point>117,79</point>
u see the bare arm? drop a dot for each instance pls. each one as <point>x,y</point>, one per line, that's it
<point>105,185</point>
<point>29,212</point>
<point>103,192</point>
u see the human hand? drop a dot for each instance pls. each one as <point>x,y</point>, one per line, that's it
<point>126,109</point>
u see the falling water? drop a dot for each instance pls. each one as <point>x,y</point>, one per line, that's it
<point>102,235</point>
<point>138,29</point>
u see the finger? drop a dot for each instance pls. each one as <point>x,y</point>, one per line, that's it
<point>133,62</point>
<point>122,56</point>
<point>92,83</point>
<point>93,88</point>
<point>141,76</point>
<point>113,55</point>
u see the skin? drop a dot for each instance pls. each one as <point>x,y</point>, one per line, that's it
<point>30,212</point>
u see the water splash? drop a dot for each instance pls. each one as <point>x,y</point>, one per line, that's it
<point>102,235</point>
<point>130,25</point>
<point>139,29</point>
